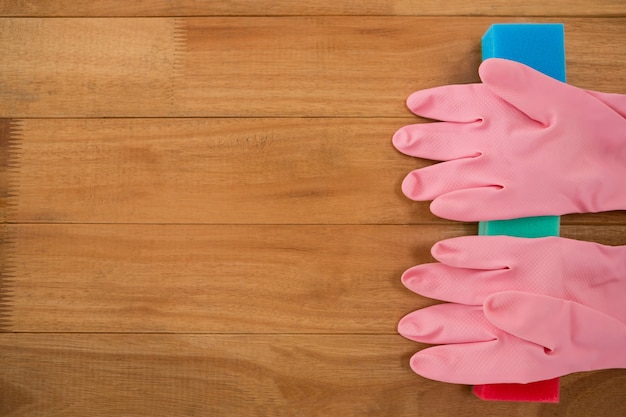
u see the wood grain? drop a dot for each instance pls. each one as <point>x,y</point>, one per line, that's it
<point>262,67</point>
<point>10,140</point>
<point>201,278</point>
<point>250,375</point>
<point>287,171</point>
<point>89,66</point>
<point>214,171</point>
<point>200,205</point>
<point>120,8</point>
<point>226,279</point>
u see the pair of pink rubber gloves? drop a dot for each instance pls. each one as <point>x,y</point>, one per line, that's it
<point>518,144</point>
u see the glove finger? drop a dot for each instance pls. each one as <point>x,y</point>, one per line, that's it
<point>537,95</point>
<point>442,141</point>
<point>457,364</point>
<point>544,320</point>
<point>433,181</point>
<point>458,285</point>
<point>452,103</point>
<point>447,323</point>
<point>506,360</point>
<point>479,203</point>
<point>477,252</point>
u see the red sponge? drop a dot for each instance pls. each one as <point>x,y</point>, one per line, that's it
<point>542,391</point>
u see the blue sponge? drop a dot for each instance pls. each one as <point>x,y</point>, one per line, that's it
<point>542,47</point>
<point>538,45</point>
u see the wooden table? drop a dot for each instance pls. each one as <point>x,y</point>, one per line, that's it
<point>201,204</point>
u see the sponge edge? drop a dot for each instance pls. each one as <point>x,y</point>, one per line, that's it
<point>541,226</point>
<point>542,47</point>
<point>542,391</point>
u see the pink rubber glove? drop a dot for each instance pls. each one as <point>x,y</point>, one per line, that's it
<point>520,144</point>
<point>520,310</point>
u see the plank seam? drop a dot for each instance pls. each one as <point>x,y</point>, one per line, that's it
<point>599,15</point>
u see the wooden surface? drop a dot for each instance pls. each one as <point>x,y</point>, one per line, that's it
<point>119,8</point>
<point>304,66</point>
<point>200,203</point>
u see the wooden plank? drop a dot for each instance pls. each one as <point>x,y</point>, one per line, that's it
<point>249,375</point>
<point>193,278</point>
<point>225,279</point>
<point>120,8</point>
<point>262,66</point>
<point>56,67</point>
<point>226,171</point>
<point>210,171</point>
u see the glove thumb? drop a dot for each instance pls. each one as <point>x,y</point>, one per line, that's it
<point>565,328</point>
